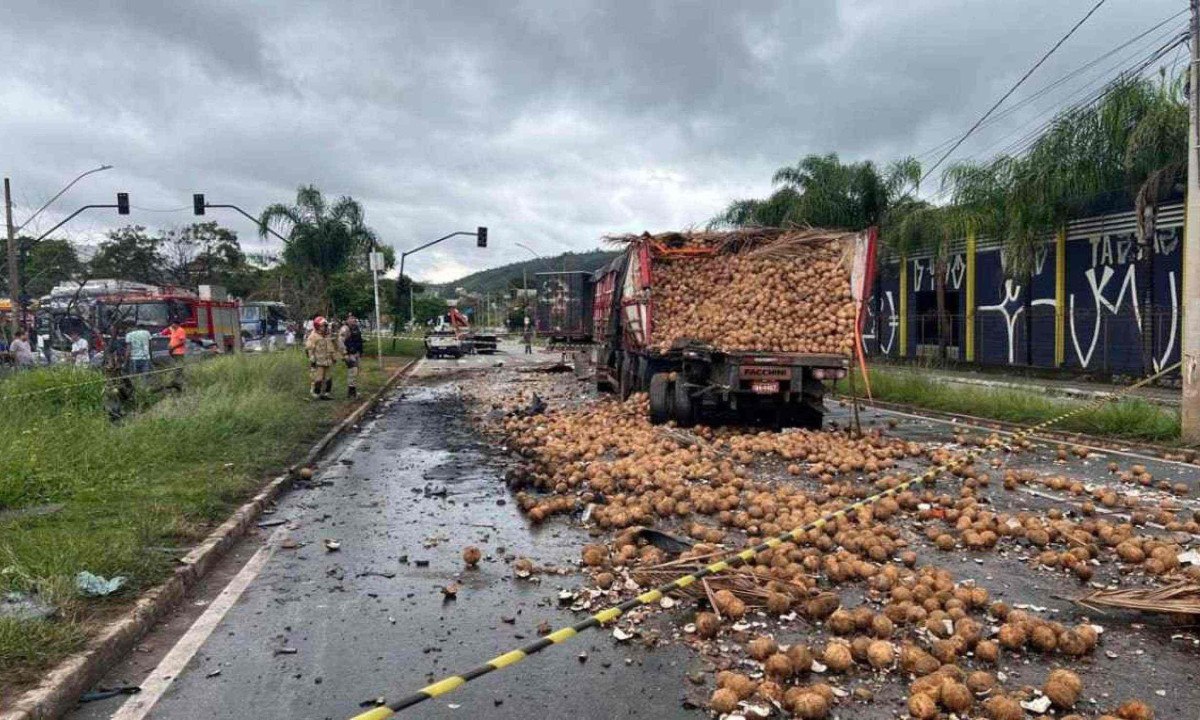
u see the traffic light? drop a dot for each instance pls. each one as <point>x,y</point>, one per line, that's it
<point>122,203</point>
<point>481,237</point>
<point>198,204</point>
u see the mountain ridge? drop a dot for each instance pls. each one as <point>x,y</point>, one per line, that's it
<point>506,277</point>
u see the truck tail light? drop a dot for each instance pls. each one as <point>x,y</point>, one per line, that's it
<point>829,373</point>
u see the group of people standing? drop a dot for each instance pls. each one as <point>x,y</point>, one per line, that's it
<point>325,347</point>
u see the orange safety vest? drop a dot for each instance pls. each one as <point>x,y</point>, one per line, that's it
<point>178,342</point>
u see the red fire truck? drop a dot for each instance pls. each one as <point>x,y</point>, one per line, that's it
<point>209,317</point>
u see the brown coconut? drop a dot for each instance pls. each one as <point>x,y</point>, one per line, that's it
<point>837,657</point>
<point>922,707</point>
<point>1002,707</point>
<point>956,697</point>
<point>1063,688</point>
<point>881,654</point>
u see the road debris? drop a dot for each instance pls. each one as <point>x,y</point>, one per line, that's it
<point>471,556</point>
<point>97,586</point>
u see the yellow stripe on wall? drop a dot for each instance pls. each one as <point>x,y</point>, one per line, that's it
<point>971,239</point>
<point>903,305</point>
<point>1060,297</point>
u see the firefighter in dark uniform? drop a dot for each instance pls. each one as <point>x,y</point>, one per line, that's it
<point>352,345</point>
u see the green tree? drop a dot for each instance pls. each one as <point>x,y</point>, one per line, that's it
<point>399,294</point>
<point>428,307</point>
<point>322,240</point>
<point>129,253</point>
<point>43,265</point>
<point>352,292</point>
<point>206,253</point>
<point>1132,142</point>
<point>822,191</point>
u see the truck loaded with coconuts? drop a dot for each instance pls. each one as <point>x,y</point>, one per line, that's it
<point>748,322</point>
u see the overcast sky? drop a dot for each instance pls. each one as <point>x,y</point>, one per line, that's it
<point>553,122</point>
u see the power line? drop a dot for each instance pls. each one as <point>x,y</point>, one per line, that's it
<point>1013,89</point>
<point>1026,141</point>
<point>162,210</point>
<point>1142,65</point>
<point>1063,79</point>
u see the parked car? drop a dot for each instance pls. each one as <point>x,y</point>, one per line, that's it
<point>443,343</point>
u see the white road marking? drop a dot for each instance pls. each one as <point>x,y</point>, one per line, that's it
<point>169,668</point>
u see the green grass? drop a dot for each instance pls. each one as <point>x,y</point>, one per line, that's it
<point>395,347</point>
<point>78,492</point>
<point>1128,418</point>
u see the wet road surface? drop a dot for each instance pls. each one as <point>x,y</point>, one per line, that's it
<point>415,485</point>
<point>316,633</point>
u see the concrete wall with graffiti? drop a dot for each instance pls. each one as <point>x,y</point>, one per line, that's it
<point>1097,300</point>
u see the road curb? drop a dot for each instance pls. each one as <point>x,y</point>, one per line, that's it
<point>60,689</point>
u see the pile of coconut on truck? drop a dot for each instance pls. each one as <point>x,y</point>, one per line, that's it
<point>748,323</point>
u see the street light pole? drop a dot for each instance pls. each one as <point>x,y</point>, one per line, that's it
<point>14,272</point>
<point>62,192</point>
<point>1189,409</point>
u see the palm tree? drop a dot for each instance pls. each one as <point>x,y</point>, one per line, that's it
<point>1132,141</point>
<point>322,239</point>
<point>822,191</point>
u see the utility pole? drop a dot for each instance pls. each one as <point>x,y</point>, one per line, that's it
<point>1189,409</point>
<point>376,263</point>
<point>14,274</point>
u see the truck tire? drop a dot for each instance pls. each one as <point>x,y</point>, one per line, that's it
<point>685,406</point>
<point>660,398</point>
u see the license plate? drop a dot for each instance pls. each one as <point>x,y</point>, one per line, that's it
<point>760,372</point>
<point>764,387</point>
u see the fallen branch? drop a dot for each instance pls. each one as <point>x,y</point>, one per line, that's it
<point>1181,598</point>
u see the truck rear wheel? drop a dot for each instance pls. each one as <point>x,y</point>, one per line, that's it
<point>684,405</point>
<point>660,398</point>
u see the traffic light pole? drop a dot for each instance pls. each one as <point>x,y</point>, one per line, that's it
<point>247,215</point>
<point>14,275</point>
<point>480,234</point>
<point>70,217</point>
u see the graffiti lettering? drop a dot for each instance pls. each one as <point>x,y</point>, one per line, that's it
<point>891,322</point>
<point>1127,289</point>
<point>1010,307</point>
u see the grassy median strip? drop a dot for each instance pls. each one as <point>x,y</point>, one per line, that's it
<point>79,492</point>
<point>1127,418</point>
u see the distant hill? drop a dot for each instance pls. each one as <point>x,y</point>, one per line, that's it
<point>499,279</point>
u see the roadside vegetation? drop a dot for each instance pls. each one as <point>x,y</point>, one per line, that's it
<point>393,347</point>
<point>1131,419</point>
<point>78,492</point>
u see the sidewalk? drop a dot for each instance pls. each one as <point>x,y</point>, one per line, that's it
<point>1167,397</point>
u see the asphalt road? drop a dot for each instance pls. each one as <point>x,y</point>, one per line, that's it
<point>413,486</point>
<point>315,633</point>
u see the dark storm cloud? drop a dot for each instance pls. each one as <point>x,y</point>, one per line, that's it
<point>553,122</point>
